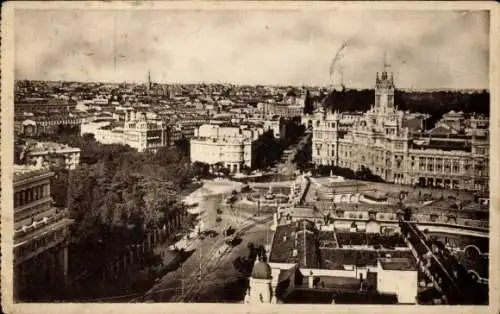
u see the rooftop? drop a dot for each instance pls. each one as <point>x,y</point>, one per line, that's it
<point>22,172</point>
<point>296,243</point>
<point>36,147</point>
<point>25,169</point>
<point>399,264</point>
<point>301,243</point>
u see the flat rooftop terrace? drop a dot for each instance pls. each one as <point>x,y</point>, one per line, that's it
<point>413,194</point>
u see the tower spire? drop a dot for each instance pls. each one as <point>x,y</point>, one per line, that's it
<point>386,65</point>
<point>149,79</point>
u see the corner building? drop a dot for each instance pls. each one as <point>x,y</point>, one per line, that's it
<point>383,141</point>
<point>41,236</point>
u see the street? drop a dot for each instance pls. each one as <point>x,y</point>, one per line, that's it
<point>203,277</point>
<point>286,165</point>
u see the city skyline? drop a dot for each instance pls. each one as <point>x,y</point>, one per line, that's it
<point>255,47</point>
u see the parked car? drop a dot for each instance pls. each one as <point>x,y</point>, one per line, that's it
<point>211,233</point>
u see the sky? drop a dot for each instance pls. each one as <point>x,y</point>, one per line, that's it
<point>425,49</point>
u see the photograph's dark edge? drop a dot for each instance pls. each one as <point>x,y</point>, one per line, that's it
<point>251,157</point>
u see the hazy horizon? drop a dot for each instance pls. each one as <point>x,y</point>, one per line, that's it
<point>436,50</point>
<point>255,85</point>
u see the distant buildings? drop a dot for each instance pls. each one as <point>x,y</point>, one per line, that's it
<point>44,125</point>
<point>394,146</point>
<point>229,146</point>
<point>268,110</point>
<point>30,104</point>
<point>41,234</point>
<point>273,125</point>
<point>137,131</point>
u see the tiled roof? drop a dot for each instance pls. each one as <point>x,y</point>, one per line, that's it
<point>310,248</point>
<point>299,237</point>
<point>337,258</point>
<point>362,238</point>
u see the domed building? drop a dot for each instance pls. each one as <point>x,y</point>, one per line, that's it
<point>259,288</point>
<point>261,270</point>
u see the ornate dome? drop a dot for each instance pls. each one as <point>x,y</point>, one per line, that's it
<point>261,270</point>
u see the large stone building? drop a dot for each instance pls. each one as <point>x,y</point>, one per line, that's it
<point>392,144</point>
<point>41,234</point>
<point>229,146</point>
<point>44,125</point>
<point>268,110</point>
<point>137,131</point>
<point>47,154</point>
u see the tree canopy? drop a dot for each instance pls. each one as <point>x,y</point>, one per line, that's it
<point>266,151</point>
<point>435,103</point>
<point>117,191</point>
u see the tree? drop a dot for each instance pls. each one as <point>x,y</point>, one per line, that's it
<point>117,194</point>
<point>365,174</point>
<point>266,151</point>
<point>407,214</point>
<point>59,185</point>
<point>303,157</point>
<point>291,131</point>
<point>200,169</point>
<point>308,104</point>
<point>183,146</point>
<point>224,171</point>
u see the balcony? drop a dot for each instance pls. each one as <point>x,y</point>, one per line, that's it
<point>41,239</point>
<point>27,232</point>
<point>24,210</point>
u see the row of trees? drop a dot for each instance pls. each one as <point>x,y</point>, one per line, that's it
<point>363,173</point>
<point>268,150</point>
<point>291,130</point>
<point>303,158</point>
<point>435,103</point>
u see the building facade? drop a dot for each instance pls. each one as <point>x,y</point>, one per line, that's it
<point>41,234</point>
<point>35,126</point>
<point>268,110</point>
<point>229,146</point>
<point>47,154</point>
<point>382,141</point>
<point>137,131</point>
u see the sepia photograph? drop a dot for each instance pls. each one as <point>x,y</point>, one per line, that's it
<point>244,153</point>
